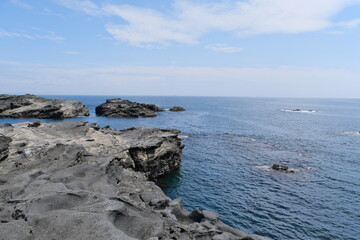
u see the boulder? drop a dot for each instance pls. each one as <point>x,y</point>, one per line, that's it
<point>124,108</point>
<point>31,106</point>
<point>177,109</point>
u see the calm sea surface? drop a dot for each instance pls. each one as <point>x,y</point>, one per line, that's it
<point>230,142</point>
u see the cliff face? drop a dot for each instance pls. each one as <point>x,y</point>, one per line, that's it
<point>72,180</point>
<point>31,106</point>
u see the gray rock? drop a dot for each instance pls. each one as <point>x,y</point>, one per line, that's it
<point>177,109</point>
<point>124,108</point>
<point>63,186</point>
<point>31,106</point>
<point>4,147</point>
<point>210,215</point>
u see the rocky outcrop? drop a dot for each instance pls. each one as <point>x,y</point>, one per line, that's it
<point>124,108</point>
<point>31,106</point>
<point>177,109</point>
<point>72,180</point>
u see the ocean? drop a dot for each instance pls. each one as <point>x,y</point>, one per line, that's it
<point>230,143</point>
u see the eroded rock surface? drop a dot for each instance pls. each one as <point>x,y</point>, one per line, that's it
<point>73,180</point>
<point>124,108</point>
<point>31,106</point>
<point>4,147</point>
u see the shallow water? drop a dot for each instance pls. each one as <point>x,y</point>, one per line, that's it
<point>230,142</point>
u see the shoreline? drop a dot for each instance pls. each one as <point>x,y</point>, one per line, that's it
<point>54,159</point>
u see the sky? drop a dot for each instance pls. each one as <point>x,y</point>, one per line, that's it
<point>249,48</point>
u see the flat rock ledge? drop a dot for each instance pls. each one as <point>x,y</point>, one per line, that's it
<point>73,180</point>
<point>118,107</point>
<point>31,106</point>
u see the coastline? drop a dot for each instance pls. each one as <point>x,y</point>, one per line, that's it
<point>58,173</point>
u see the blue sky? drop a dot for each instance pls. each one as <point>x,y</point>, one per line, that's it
<point>266,48</point>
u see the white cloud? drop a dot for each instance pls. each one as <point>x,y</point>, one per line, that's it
<point>350,24</point>
<point>21,4</point>
<point>86,6</point>
<point>48,36</point>
<point>189,20</point>
<point>219,47</point>
<point>72,52</point>
<point>172,80</point>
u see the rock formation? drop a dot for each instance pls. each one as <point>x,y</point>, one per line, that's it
<point>31,106</point>
<point>72,180</point>
<point>177,109</point>
<point>124,108</point>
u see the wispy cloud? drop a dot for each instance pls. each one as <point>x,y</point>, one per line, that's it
<point>49,12</point>
<point>219,47</point>
<point>21,4</point>
<point>48,36</point>
<point>202,81</point>
<point>72,52</point>
<point>189,20</point>
<point>85,6</point>
<point>350,24</point>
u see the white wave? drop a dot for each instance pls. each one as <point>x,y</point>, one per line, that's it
<point>357,133</point>
<point>299,110</point>
<point>250,139</point>
<point>263,167</point>
<point>183,136</point>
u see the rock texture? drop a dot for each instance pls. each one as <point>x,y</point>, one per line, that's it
<point>72,180</point>
<point>31,106</point>
<point>4,147</point>
<point>124,108</point>
<point>177,109</point>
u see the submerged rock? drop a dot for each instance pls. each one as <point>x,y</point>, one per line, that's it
<point>72,180</point>
<point>31,106</point>
<point>177,109</point>
<point>124,108</point>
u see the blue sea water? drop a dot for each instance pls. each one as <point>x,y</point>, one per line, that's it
<point>229,144</point>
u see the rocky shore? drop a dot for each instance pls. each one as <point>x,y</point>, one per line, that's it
<point>124,108</point>
<point>31,106</point>
<point>73,180</point>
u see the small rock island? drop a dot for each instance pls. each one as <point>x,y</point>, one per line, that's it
<point>118,107</point>
<point>31,106</point>
<point>73,180</point>
<point>177,109</point>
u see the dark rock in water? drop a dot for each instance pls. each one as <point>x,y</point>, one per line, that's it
<point>124,108</point>
<point>31,106</point>
<point>4,147</point>
<point>177,109</point>
<point>63,186</point>
<point>34,124</point>
<point>282,168</point>
<point>279,167</point>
